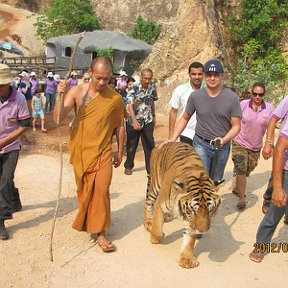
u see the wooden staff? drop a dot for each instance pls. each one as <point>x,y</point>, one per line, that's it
<point>61,99</point>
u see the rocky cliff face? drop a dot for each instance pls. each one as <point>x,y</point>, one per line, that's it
<point>193,30</point>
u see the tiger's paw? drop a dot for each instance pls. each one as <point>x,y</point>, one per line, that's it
<point>156,239</point>
<point>148,224</point>
<point>188,262</point>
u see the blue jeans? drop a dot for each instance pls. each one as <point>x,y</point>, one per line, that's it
<point>214,159</point>
<point>270,221</point>
<point>49,101</point>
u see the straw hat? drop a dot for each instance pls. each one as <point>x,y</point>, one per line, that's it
<point>5,74</point>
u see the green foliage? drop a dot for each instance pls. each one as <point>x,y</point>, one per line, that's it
<point>106,52</point>
<point>66,17</point>
<point>147,31</point>
<point>257,34</point>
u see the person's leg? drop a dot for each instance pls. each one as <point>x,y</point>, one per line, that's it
<point>267,195</point>
<point>205,151</point>
<point>42,118</point>
<point>186,140</point>
<point>132,143</point>
<point>148,143</point>
<point>240,187</point>
<point>8,162</point>
<point>47,102</point>
<point>51,103</point>
<point>34,124</point>
<point>269,223</point>
<point>220,156</point>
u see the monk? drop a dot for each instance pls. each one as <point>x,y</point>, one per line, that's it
<point>99,115</point>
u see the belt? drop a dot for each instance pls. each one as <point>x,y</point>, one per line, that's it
<point>210,142</point>
<point>204,139</point>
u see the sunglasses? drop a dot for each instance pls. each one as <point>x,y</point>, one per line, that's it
<point>257,94</point>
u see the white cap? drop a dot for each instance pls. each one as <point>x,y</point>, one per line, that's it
<point>57,77</point>
<point>23,74</point>
<point>33,74</point>
<point>50,74</point>
<point>123,73</point>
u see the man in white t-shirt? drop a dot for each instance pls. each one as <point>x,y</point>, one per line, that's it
<point>179,99</point>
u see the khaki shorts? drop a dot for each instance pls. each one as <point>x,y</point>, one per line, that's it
<point>244,160</point>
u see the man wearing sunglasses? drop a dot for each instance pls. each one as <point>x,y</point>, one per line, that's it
<point>246,146</point>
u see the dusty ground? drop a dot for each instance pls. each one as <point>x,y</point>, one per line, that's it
<point>223,251</point>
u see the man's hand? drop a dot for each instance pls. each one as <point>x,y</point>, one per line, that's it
<point>62,87</point>
<point>164,143</point>
<point>117,159</point>
<point>279,198</point>
<point>267,151</point>
<point>136,125</point>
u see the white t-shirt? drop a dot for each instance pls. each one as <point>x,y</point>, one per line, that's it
<point>178,101</point>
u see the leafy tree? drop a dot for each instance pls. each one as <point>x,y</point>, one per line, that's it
<point>257,34</point>
<point>147,31</point>
<point>66,17</point>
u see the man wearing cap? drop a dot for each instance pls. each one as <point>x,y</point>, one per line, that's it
<point>26,88</point>
<point>179,100</point>
<point>218,120</point>
<point>35,82</point>
<point>73,80</point>
<point>14,120</point>
<point>50,91</point>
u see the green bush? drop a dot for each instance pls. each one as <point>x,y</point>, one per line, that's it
<point>257,34</point>
<point>147,31</point>
<point>66,17</point>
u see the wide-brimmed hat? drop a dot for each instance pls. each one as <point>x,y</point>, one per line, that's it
<point>73,73</point>
<point>50,74</point>
<point>5,74</point>
<point>33,74</point>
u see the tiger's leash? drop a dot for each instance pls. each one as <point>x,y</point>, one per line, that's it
<point>61,99</point>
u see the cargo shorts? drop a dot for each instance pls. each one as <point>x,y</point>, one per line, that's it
<point>245,160</point>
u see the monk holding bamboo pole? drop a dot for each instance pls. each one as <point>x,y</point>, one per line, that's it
<point>99,115</point>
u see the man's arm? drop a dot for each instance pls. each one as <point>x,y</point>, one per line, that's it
<point>68,102</point>
<point>279,195</point>
<point>234,130</point>
<point>136,124</point>
<point>153,113</point>
<point>12,137</point>
<point>267,151</point>
<point>172,120</point>
<point>120,137</point>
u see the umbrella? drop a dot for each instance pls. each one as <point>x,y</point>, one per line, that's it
<point>10,48</point>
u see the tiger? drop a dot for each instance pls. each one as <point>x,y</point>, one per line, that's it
<point>179,187</point>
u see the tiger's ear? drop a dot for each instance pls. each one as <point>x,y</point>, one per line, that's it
<point>177,185</point>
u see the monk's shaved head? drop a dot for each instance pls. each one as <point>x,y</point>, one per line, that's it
<point>103,61</point>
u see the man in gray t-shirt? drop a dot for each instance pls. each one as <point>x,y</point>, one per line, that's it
<point>218,120</point>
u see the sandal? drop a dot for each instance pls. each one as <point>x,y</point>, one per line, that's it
<point>241,204</point>
<point>108,247</point>
<point>256,257</point>
<point>44,131</point>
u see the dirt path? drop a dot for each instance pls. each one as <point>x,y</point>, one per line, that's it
<point>222,252</point>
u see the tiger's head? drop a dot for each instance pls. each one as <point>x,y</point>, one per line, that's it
<point>198,201</point>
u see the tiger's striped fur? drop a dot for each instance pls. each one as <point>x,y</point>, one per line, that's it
<point>179,188</point>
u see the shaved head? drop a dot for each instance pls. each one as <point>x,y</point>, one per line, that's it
<point>103,61</point>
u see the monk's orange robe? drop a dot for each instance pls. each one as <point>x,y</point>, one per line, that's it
<point>91,157</point>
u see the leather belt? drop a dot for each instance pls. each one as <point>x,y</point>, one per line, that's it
<point>211,142</point>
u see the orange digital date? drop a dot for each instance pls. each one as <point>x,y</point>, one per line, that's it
<point>260,247</point>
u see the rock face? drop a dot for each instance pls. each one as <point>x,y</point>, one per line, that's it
<point>192,30</point>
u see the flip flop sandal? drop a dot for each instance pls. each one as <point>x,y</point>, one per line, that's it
<point>256,257</point>
<point>241,205</point>
<point>108,247</point>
